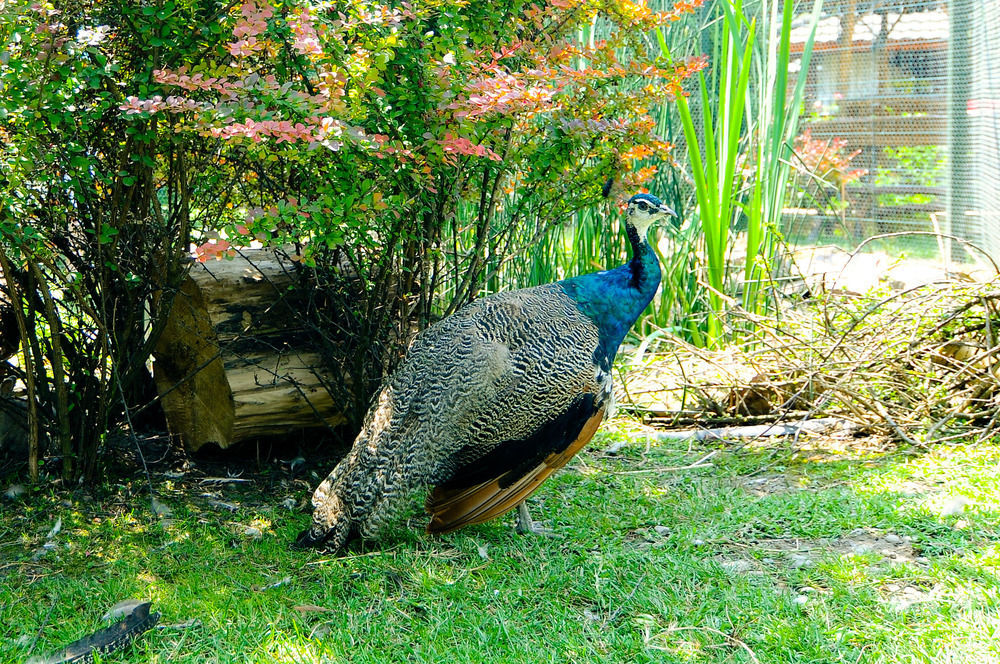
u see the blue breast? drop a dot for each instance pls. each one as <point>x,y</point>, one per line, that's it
<point>615,299</point>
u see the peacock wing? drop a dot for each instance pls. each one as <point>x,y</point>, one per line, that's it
<point>493,484</point>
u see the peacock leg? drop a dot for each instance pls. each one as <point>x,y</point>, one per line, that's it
<point>525,526</point>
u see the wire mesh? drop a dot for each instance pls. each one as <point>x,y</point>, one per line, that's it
<point>981,222</point>
<point>901,124</point>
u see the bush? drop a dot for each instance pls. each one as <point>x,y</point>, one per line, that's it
<point>396,148</point>
<point>96,209</point>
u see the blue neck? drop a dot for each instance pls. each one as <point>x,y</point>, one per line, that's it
<point>615,299</point>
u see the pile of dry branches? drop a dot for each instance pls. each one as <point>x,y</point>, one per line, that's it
<point>920,365</point>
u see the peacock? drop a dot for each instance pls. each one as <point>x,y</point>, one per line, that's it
<point>491,400</point>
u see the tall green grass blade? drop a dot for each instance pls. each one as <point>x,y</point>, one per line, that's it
<point>724,135</point>
<point>777,117</point>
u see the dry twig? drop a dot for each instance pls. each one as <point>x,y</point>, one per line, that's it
<point>921,364</point>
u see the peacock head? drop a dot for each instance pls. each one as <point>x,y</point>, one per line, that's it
<point>644,210</point>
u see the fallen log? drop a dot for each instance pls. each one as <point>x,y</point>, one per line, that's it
<point>234,362</point>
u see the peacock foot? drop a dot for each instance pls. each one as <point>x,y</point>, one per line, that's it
<point>525,525</point>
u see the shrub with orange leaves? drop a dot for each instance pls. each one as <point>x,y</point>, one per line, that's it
<point>426,104</point>
<point>397,145</point>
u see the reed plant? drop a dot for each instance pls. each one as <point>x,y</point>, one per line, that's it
<point>724,137</point>
<point>774,119</point>
<point>739,160</point>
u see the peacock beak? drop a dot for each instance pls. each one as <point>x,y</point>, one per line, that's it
<point>667,210</point>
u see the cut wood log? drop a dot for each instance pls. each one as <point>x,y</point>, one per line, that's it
<point>233,362</point>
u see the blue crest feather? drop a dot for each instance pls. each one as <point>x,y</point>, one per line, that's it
<point>646,197</point>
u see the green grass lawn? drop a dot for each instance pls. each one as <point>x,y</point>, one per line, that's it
<point>825,555</point>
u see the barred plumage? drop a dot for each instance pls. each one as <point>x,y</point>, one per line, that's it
<point>491,400</point>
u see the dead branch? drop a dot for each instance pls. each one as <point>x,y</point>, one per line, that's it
<point>921,364</point>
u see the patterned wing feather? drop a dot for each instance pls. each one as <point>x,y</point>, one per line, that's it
<point>456,504</point>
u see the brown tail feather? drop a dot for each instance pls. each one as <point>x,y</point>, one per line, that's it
<point>454,509</point>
